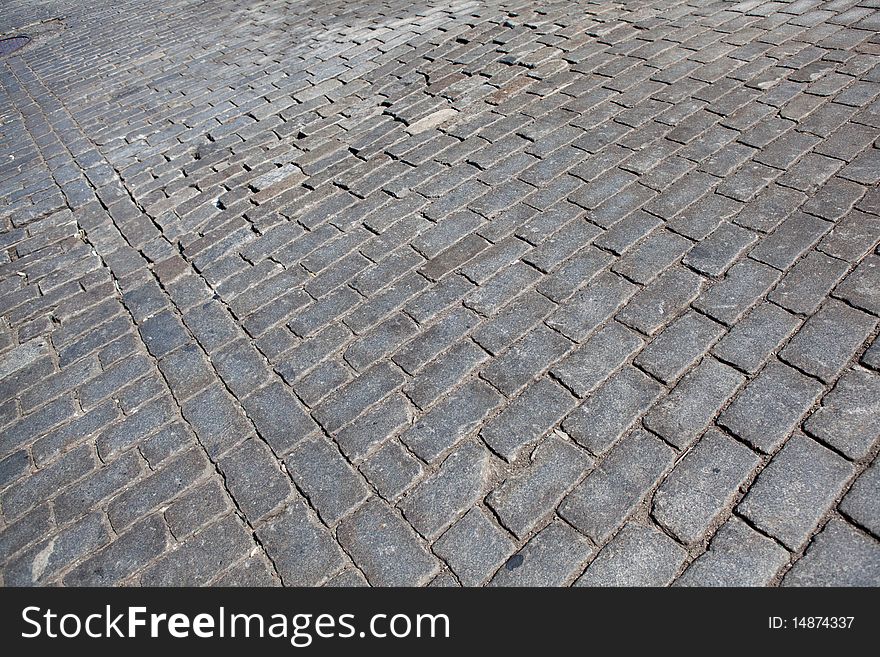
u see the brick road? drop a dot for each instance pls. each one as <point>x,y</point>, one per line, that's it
<point>440,293</point>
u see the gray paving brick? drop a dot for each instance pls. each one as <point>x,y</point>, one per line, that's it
<point>738,291</point>
<point>197,507</point>
<point>828,340</point>
<point>770,208</point>
<point>703,485</point>
<point>526,360</point>
<point>96,487</point>
<point>791,494</point>
<point>551,558</point>
<point>392,469</point>
<point>637,556</point>
<point>39,564</point>
<point>660,301</point>
<point>29,528</point>
<point>592,306</point>
<point>45,483</point>
<point>612,410</point>
<point>861,287</point>
<point>652,256</point>
<point>435,503</point>
<point>326,478</point>
<point>620,482</point>
<point>374,530</point>
<point>254,478</point>
<point>349,402</point>
<point>737,556</point>
<point>124,556</point>
<point>839,556</point>
<point>451,419</point>
<point>752,340</point>
<point>474,547</point>
<point>853,237</point>
<point>597,358</point>
<point>157,488</point>
<point>380,341</point>
<point>679,346</point>
<point>850,414</point>
<point>860,502</point>
<point>202,555</point>
<point>435,339</point>
<point>301,548</point>
<point>807,284</point>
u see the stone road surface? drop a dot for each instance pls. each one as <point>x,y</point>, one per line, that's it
<point>408,293</point>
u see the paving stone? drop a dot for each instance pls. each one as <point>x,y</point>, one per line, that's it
<point>434,504</point>
<point>96,487</point>
<point>660,301</point>
<point>861,287</point>
<point>202,555</point>
<point>157,488</point>
<point>612,410</point>
<point>703,485</point>
<point>637,556</point>
<point>738,291</point>
<point>828,340</point>
<point>279,417</point>
<point>186,371</point>
<point>718,251</point>
<point>806,285</point>
<point>769,209</point>
<point>593,361</point>
<point>253,571</point>
<point>435,339</point>
<point>384,420</point>
<point>839,556</point>
<point>853,237</point>
<point>574,273</point>
<point>769,408</point>
<point>601,503</point>
<point>392,470</point>
<point>217,421</point>
<point>679,346</point>
<point>551,558</point>
<point>592,306</point>
<point>374,532</point>
<point>129,552</point>
<point>39,564</point>
<point>45,483</point>
<point>526,360</point>
<point>753,339</point>
<point>326,478</point>
<point>527,418</point>
<point>647,259</point>
<point>254,478</point>
<point>301,548</point>
<point>737,556</point>
<point>197,507</point>
<point>860,502</point>
<point>474,547</point>
<point>849,417</point>
<point>791,494</point>
<point>163,333</point>
<point>346,404</point>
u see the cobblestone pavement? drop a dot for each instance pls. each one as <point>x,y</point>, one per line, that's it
<point>409,293</point>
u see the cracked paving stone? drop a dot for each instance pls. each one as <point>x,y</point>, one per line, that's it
<point>702,485</point>
<point>637,556</point>
<point>737,556</point>
<point>849,417</point>
<point>791,494</point>
<point>551,558</point>
<point>601,503</point>
<point>840,555</point>
<point>385,548</point>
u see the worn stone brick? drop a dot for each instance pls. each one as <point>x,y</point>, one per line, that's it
<point>301,548</point>
<point>196,507</point>
<point>373,532</point>
<point>743,285</point>
<point>679,346</point>
<point>601,503</point>
<point>526,498</point>
<point>254,478</point>
<point>123,557</point>
<point>849,418</point>
<point>217,420</point>
<point>593,361</point>
<point>840,555</point>
<point>828,340</point>
<point>637,556</point>
<point>702,485</point>
<point>791,494</point>
<point>474,547</point>
<point>612,410</point>
<point>860,502</point>
<point>45,483</point>
<point>392,470</point>
<point>349,402</point>
<point>754,338</point>
<point>737,556</point>
<point>326,478</point>
<point>435,503</point>
<point>552,557</point>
